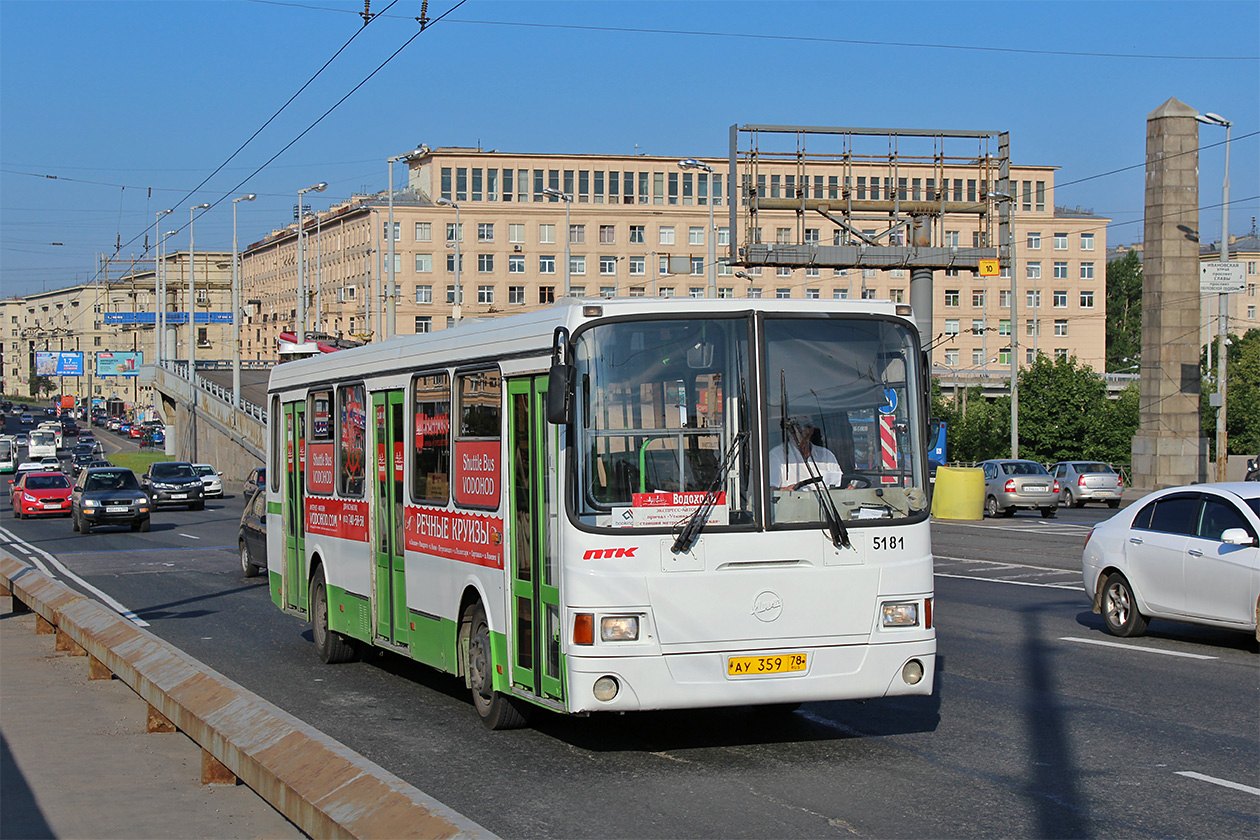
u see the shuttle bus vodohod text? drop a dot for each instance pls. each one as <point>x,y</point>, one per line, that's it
<point>617,505</point>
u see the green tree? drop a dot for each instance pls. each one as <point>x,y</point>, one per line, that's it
<point>1111,439</point>
<point>1060,403</point>
<point>1242,373</point>
<point>1124,311</point>
<point>41,385</point>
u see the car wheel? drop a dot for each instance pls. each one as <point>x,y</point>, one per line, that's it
<point>144,526</point>
<point>1068,499</point>
<point>496,710</point>
<point>332,646</point>
<point>991,506</point>
<point>248,569</point>
<point>197,506</point>
<point>1048,513</point>
<point>17,511</point>
<point>74,520</point>
<point>1119,608</point>
<point>1008,512</point>
<point>85,527</point>
<point>1113,504</point>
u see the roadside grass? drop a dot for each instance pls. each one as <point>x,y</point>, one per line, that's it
<point>137,462</point>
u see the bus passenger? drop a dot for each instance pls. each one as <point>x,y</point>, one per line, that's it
<point>790,464</point>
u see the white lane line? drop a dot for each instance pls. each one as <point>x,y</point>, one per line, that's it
<point>1000,564</point>
<point>1190,774</point>
<point>30,555</point>
<point>1134,647</point>
<point>190,536</point>
<point>107,599</point>
<point>1071,587</point>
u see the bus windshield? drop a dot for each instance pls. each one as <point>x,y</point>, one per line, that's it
<point>844,419</point>
<point>660,402</point>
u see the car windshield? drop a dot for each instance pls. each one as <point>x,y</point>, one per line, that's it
<point>173,471</point>
<point>1023,468</point>
<point>204,469</point>
<point>46,482</point>
<point>111,480</point>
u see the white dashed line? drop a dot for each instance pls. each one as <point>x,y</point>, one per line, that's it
<point>1068,586</point>
<point>1139,648</point>
<point>190,536</point>
<point>1190,774</point>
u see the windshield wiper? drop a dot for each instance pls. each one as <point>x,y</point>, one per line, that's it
<point>690,528</point>
<point>835,526</point>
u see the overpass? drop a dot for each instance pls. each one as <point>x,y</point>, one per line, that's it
<point>204,425</point>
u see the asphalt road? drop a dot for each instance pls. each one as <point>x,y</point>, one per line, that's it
<point>1042,725</point>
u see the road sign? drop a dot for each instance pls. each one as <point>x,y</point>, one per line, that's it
<point>989,268</point>
<point>1221,278</point>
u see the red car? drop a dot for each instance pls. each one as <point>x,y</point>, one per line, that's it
<point>37,493</point>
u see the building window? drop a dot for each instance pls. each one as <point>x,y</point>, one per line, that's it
<point>485,263</point>
<point>1032,327</point>
<point>1060,326</point>
<point>726,293</point>
<point>667,235</point>
<point>951,239</point>
<point>812,294</point>
<point>577,234</point>
<point>608,265</point>
<point>1004,326</point>
<point>516,295</point>
<point>1034,298</point>
<point>1060,298</point>
<point>783,294</point>
<point>724,237</point>
<point>638,266</point>
<point>695,292</point>
<point>1087,300</point>
<point>516,263</point>
<point>546,294</point>
<point>516,233</point>
<point>951,358</point>
<point>637,234</point>
<point>424,324</point>
<point>977,326</point>
<point>1060,241</point>
<point>485,294</point>
<point>450,294</point>
<point>577,264</point>
<point>977,298</point>
<point>454,233</point>
<point>450,263</point>
<point>607,234</point>
<point>898,295</point>
<point>424,231</point>
<point>1004,358</point>
<point>1087,241</point>
<point>1060,270</point>
<point>977,358</point>
<point>951,326</point>
<point>1251,313</point>
<point>547,264</point>
<point>638,291</point>
<point>754,293</point>
<point>424,294</point>
<point>783,236</point>
<point>695,235</point>
<point>812,236</point>
<point>1004,298</point>
<point>485,232</point>
<point>1034,240</point>
<point>840,294</point>
<point>1087,271</point>
<point>812,271</point>
<point>424,263</point>
<point>951,297</point>
<point>1033,270</point>
<point>547,234</point>
<point>697,266</point>
<point>782,271</point>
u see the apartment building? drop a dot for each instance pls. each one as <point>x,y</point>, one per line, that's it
<point>482,233</point>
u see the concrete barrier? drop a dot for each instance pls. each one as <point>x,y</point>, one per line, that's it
<point>959,493</point>
<point>319,784</point>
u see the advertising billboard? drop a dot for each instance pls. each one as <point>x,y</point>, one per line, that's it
<point>118,363</point>
<point>58,363</point>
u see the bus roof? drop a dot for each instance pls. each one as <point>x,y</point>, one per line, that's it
<point>530,333</point>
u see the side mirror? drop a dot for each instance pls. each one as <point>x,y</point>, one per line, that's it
<point>1237,536</point>
<point>560,380</point>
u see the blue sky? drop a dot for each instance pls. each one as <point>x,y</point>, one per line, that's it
<point>131,105</point>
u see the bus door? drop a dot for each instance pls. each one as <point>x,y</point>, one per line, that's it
<point>390,589</point>
<point>534,507</point>
<point>295,594</point>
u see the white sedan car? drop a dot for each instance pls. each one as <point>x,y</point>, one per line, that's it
<point>211,481</point>
<point>1184,554</point>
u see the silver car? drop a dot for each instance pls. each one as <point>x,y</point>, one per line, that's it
<point>1087,481</point>
<point>1011,484</point>
<point>211,481</point>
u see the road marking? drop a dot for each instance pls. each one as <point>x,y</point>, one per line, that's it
<point>1134,647</point>
<point>190,536</point>
<point>1190,774</point>
<point>107,599</point>
<point>1072,587</point>
<point>999,564</point>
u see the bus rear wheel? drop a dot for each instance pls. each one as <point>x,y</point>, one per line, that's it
<point>332,646</point>
<point>496,710</point>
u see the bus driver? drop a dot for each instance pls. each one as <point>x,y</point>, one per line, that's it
<point>790,464</point>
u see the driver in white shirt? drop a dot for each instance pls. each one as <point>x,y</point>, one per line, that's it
<point>790,461</point>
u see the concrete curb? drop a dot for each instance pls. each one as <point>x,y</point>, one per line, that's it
<point>319,784</point>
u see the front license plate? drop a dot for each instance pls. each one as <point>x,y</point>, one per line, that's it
<point>52,504</point>
<point>179,495</point>
<point>115,510</point>
<point>779,663</point>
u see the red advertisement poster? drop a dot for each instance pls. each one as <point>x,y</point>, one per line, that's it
<point>466,537</point>
<point>477,473</point>
<point>320,474</point>
<point>345,520</point>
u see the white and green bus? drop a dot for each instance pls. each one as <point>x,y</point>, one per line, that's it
<point>574,509</point>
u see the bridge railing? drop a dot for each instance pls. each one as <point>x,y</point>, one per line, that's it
<point>214,389</point>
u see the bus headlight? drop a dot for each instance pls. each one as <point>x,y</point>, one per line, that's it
<point>619,628</point>
<point>903,614</point>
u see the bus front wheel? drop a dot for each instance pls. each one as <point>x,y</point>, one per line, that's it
<point>496,710</point>
<point>332,646</point>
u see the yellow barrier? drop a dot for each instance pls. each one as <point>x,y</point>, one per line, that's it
<point>959,493</point>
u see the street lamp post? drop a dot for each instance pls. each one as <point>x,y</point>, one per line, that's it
<point>1222,439</point>
<point>192,297</point>
<point>236,310</point>
<point>1003,197</point>
<point>161,307</point>
<point>568,236</point>
<point>692,163</point>
<point>390,304</point>
<point>157,321</point>
<point>301,310</point>
<point>459,291</point>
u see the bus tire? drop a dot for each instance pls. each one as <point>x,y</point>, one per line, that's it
<point>496,710</point>
<point>332,646</point>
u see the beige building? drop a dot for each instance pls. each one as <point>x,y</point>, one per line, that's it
<point>639,226</point>
<point>1242,308</point>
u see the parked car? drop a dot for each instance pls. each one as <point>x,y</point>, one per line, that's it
<point>1012,484</point>
<point>1087,481</point>
<point>211,481</point>
<point>40,492</point>
<point>252,540</point>
<point>108,496</point>
<point>173,483</point>
<point>1188,553</point>
<point>256,480</point>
